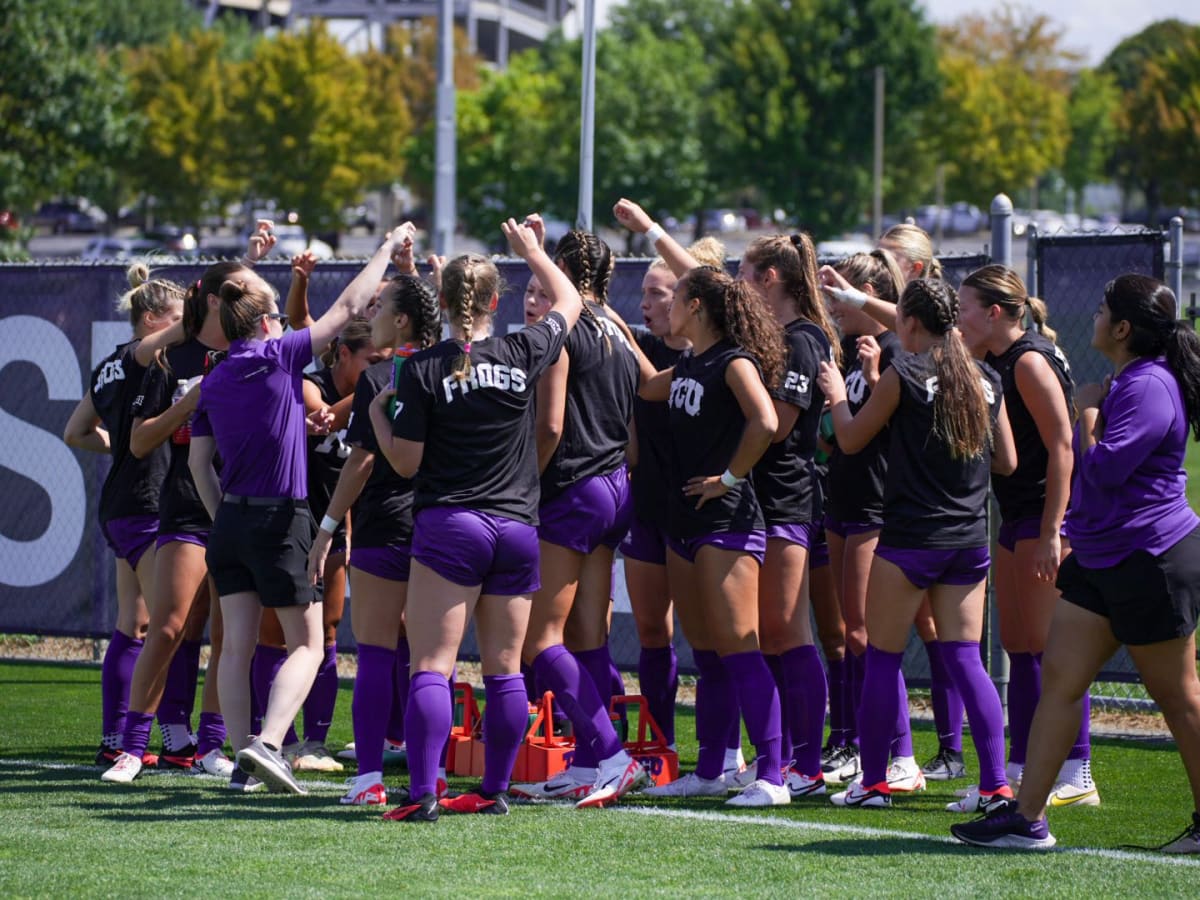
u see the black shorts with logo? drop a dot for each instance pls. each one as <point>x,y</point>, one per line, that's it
<point>1146,598</point>
<point>261,544</point>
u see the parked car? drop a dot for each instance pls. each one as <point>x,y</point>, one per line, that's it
<point>64,216</point>
<point>966,218</point>
<point>120,248</point>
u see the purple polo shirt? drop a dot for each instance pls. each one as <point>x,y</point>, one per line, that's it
<point>1129,491</point>
<point>253,404</point>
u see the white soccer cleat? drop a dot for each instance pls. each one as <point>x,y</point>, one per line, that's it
<point>573,783</point>
<point>800,785</point>
<point>977,801</point>
<point>855,795</point>
<point>366,790</point>
<point>761,793</point>
<point>615,777</point>
<point>214,762</point>
<point>689,785</point>
<point>126,768</point>
<point>904,776</point>
<point>313,757</point>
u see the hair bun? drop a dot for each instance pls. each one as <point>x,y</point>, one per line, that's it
<point>137,274</point>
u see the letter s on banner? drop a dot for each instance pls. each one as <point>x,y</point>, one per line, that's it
<point>42,457</point>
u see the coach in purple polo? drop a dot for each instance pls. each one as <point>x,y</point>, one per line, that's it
<point>251,412</point>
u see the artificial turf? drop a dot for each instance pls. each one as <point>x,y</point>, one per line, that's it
<point>64,832</point>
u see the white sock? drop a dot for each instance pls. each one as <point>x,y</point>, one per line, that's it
<point>175,737</point>
<point>1077,773</point>
<point>734,758</point>
<point>907,761</point>
<point>1013,772</point>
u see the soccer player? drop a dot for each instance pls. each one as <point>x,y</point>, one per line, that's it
<point>1133,575</point>
<point>464,428</point>
<point>948,430</point>
<point>1033,501</point>
<point>128,508</point>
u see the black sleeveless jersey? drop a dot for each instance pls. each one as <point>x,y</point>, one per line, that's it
<point>651,476</point>
<point>383,513</point>
<point>326,453</point>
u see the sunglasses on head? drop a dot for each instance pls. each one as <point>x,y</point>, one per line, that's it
<point>281,318</point>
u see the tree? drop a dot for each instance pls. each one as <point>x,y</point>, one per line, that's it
<point>1156,71</point>
<point>1092,115</point>
<point>1002,119</point>
<point>305,126</point>
<point>184,159</point>
<point>793,102</point>
<point>58,99</point>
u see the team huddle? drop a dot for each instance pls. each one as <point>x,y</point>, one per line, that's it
<point>792,456</point>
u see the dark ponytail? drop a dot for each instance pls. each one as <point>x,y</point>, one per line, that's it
<point>960,410</point>
<point>1148,306</point>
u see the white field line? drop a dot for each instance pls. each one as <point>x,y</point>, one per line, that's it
<point>688,814</point>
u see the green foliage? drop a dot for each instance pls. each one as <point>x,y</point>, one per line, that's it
<point>1158,72</point>
<point>135,23</point>
<point>794,102</point>
<point>305,126</point>
<point>1092,113</point>
<point>1002,120</point>
<point>58,103</point>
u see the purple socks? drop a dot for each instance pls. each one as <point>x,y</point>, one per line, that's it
<point>395,726</point>
<point>1083,740</point>
<point>841,717</point>
<point>210,735</point>
<point>806,696</point>
<point>137,733</point>
<point>321,699</point>
<point>878,714</point>
<point>775,664</point>
<point>263,669</point>
<point>1024,689</point>
<point>759,701</point>
<point>116,673</point>
<point>179,692</point>
<point>855,670</point>
<point>426,728</point>
<point>984,712</point>
<point>373,705</point>
<point>658,676</point>
<point>576,693</point>
<point>504,722</point>
<point>714,707</point>
<point>902,733</point>
<point>945,698</point>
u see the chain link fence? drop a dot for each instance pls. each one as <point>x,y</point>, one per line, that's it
<point>57,320</point>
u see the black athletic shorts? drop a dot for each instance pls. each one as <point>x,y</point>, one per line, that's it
<point>261,545</point>
<point>1146,598</point>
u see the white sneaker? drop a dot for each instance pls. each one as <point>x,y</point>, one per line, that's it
<point>799,785</point>
<point>214,762</point>
<point>857,795</point>
<point>689,785</point>
<point>313,757</point>
<point>126,768</point>
<point>842,766</point>
<point>574,783</point>
<point>1067,794</point>
<point>904,776</point>
<point>741,779</point>
<point>976,801</point>
<point>244,783</point>
<point>615,777</point>
<point>366,790</point>
<point>761,793</point>
<point>348,752</point>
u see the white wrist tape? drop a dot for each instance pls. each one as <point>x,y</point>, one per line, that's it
<point>329,524</point>
<point>851,297</point>
<point>654,233</point>
<point>730,480</point>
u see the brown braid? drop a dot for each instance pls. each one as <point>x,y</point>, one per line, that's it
<point>468,284</point>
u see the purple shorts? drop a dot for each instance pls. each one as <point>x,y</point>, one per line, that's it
<point>130,536</point>
<point>1020,530</point>
<point>593,511</point>
<point>391,562</point>
<point>180,537</point>
<point>469,547</point>
<point>753,543</point>
<point>845,529</point>
<point>645,543</point>
<point>928,567</point>
<point>802,534</point>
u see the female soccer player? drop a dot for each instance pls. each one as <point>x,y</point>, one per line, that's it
<point>584,406</point>
<point>1133,575</point>
<point>1033,500</point>
<point>948,429</point>
<point>721,416</point>
<point>464,428</point>
<point>783,270</point>
<point>129,498</point>
<point>854,505</point>
<point>262,528</point>
<point>380,556</point>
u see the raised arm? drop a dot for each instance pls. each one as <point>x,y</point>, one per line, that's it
<point>296,306</point>
<point>840,289</point>
<point>673,253</point>
<point>358,293</point>
<point>564,298</point>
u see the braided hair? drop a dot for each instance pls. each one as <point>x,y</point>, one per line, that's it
<point>414,297</point>
<point>468,284</point>
<point>146,294</point>
<point>960,408</point>
<point>588,261</point>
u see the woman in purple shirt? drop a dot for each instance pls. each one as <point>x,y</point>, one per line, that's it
<point>1133,576</point>
<point>262,529</point>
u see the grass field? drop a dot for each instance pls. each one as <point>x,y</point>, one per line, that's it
<point>63,832</point>
<point>1192,463</point>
